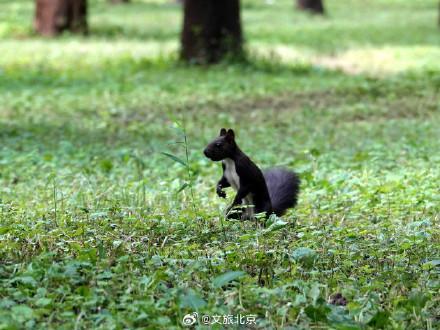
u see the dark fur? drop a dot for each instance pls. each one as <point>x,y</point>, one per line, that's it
<point>283,186</point>
<point>273,192</point>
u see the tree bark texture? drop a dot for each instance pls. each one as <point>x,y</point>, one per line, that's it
<point>314,6</point>
<point>211,30</point>
<point>53,17</point>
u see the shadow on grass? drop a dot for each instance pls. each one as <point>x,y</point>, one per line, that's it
<point>117,72</point>
<point>365,99</point>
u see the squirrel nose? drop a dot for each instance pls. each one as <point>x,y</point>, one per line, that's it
<point>205,152</point>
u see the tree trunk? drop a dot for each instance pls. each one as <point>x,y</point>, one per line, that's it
<point>211,30</point>
<point>314,6</point>
<point>52,17</point>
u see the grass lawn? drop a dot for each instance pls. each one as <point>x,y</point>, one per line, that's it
<point>96,231</point>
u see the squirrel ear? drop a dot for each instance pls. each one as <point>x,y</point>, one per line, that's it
<point>223,131</point>
<point>231,134</point>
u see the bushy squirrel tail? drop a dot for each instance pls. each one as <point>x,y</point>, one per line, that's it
<point>283,186</point>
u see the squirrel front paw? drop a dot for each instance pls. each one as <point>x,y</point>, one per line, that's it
<point>220,192</point>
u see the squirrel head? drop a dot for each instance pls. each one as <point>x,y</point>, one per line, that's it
<point>221,147</point>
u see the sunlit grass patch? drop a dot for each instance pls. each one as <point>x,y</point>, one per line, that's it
<point>360,60</point>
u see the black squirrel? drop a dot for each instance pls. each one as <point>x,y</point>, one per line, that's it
<point>273,191</point>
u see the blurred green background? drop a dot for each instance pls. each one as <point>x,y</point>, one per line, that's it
<point>95,232</point>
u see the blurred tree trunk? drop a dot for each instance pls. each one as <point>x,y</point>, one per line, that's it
<point>118,1</point>
<point>314,6</point>
<point>211,30</point>
<point>52,17</point>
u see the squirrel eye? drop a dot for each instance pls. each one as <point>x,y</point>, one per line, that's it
<point>218,145</point>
